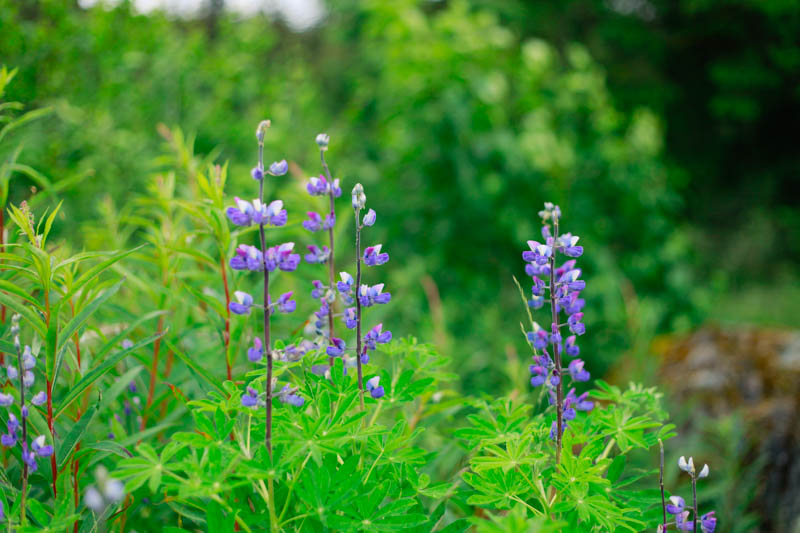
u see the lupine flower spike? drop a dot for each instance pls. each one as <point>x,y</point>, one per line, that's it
<point>677,506</point>
<point>18,429</point>
<point>265,260</point>
<point>560,286</point>
<point>324,186</point>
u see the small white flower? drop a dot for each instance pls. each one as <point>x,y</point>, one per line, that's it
<point>704,472</point>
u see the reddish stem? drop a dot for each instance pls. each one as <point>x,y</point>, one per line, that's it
<point>53,466</point>
<point>2,250</point>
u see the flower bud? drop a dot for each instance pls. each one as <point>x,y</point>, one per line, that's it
<point>322,141</point>
<point>261,131</point>
<point>359,198</point>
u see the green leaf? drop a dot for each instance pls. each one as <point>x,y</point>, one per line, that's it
<point>74,436</point>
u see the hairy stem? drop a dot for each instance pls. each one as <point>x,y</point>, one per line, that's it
<point>267,346</point>
<point>331,264</point>
<point>661,485</point>
<point>694,501</point>
<point>24,433</point>
<point>556,328</point>
<point>358,312</point>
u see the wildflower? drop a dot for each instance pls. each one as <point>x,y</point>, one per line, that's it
<point>708,522</point>
<point>373,295</point>
<point>374,387</point>
<point>369,218</point>
<point>285,303</point>
<point>538,375</point>
<point>247,258</point>
<point>374,257</point>
<point>358,197</point>
<point>350,318</point>
<point>320,187</point>
<point>346,284</point>
<point>40,448</point>
<point>575,325</point>
<point>281,257</point>
<point>570,347</point>
<point>287,395</point>
<point>337,347</point>
<point>676,505</point>
<point>40,398</point>
<point>242,304</point>
<point>242,214</point>
<point>686,466</point>
<point>255,353</point>
<point>6,399</point>
<point>375,336</point>
<point>577,371</point>
<point>315,221</point>
<point>538,337</point>
<point>319,289</point>
<point>279,168</point>
<point>703,472</point>
<point>316,255</point>
<point>250,398</point>
<point>257,174</point>
<point>272,214</point>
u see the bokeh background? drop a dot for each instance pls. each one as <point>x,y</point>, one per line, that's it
<point>666,130</point>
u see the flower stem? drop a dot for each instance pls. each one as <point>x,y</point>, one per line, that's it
<point>24,432</point>
<point>226,336</point>
<point>694,501</point>
<point>331,264</point>
<point>267,346</point>
<point>358,312</point>
<point>661,484</point>
<point>556,349</point>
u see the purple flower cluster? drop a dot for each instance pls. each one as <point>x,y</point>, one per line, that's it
<point>17,429</point>
<point>560,287</point>
<point>264,259</point>
<point>677,505</point>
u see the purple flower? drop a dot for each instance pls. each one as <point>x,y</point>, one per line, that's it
<point>577,371</point>
<point>8,440</point>
<point>374,257</point>
<point>346,284</point>
<point>538,375</point>
<point>538,253</point>
<point>285,303</point>
<point>40,398</point>
<point>374,388</point>
<point>708,522</point>
<point>242,214</point>
<point>40,448</point>
<point>375,336</point>
<point>567,244</point>
<point>255,353</point>
<point>317,256</point>
<point>6,399</point>
<point>570,347</point>
<point>675,505</point>
<point>319,289</point>
<point>247,258</point>
<point>320,187</point>
<point>257,174</point>
<point>553,429</point>
<point>279,168</point>
<point>28,360</point>
<point>538,337</point>
<point>373,295</point>
<point>272,214</point>
<point>314,222</point>
<point>369,218</point>
<point>337,347</point>
<point>287,395</point>
<point>250,398</point>
<point>350,318</point>
<point>570,278</point>
<point>282,257</point>
<point>575,325</point>
<point>242,304</point>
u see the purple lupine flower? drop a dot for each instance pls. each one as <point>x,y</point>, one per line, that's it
<point>281,257</point>
<point>12,373</point>
<point>539,253</point>
<point>314,222</point>
<point>247,258</point>
<point>577,371</point>
<point>255,352</point>
<point>538,337</point>
<point>375,336</point>
<point>346,284</point>
<point>279,168</point>
<point>369,218</point>
<point>6,399</point>
<point>287,395</point>
<point>242,214</point>
<point>570,278</point>
<point>285,303</point>
<point>40,448</point>
<point>350,318</point>
<point>320,187</point>
<point>539,375</point>
<point>336,348</point>
<point>553,429</point>
<point>272,214</point>
<point>40,398</point>
<point>708,522</point>
<point>575,325</point>
<point>28,379</point>
<point>682,522</point>
<point>373,295</point>
<point>570,347</point>
<point>374,387</point>
<point>242,304</point>
<point>296,352</point>
<point>374,257</point>
<point>250,398</point>
<point>316,255</point>
<point>257,174</point>
<point>28,360</point>
<point>319,289</point>
<point>676,505</point>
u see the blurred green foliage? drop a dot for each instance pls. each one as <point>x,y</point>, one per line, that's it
<point>460,118</point>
